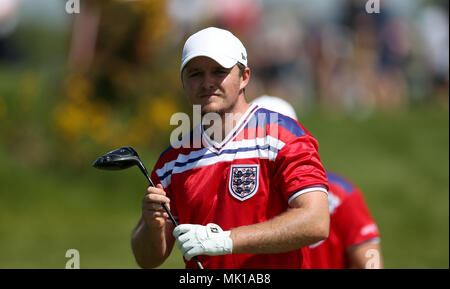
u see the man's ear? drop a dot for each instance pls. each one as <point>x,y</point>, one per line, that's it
<point>245,77</point>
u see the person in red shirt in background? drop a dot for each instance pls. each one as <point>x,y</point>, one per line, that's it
<point>354,239</point>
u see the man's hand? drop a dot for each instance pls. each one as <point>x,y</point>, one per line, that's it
<point>209,240</point>
<point>152,239</point>
<point>152,212</point>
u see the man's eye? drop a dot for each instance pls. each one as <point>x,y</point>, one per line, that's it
<point>220,72</point>
<point>194,74</point>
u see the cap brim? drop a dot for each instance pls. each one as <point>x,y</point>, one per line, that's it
<point>226,62</point>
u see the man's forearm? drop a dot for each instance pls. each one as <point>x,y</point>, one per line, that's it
<point>289,231</point>
<point>150,247</point>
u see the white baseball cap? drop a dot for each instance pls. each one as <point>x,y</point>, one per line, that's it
<point>219,44</point>
<point>276,104</point>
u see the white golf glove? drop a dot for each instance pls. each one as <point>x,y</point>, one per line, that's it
<point>209,240</point>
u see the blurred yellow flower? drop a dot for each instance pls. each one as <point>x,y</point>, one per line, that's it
<point>78,88</point>
<point>98,127</point>
<point>70,121</point>
<point>160,110</point>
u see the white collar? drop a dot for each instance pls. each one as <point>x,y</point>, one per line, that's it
<point>233,133</point>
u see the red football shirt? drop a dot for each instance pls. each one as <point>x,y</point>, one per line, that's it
<point>350,224</point>
<point>267,160</point>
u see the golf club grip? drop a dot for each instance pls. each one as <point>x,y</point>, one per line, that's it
<point>199,264</point>
<point>163,204</point>
<point>170,214</point>
<point>176,224</point>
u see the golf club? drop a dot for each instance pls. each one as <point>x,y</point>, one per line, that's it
<point>124,158</point>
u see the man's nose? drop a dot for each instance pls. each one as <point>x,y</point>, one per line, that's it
<point>209,81</point>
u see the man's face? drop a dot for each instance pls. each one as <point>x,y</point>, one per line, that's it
<point>212,86</point>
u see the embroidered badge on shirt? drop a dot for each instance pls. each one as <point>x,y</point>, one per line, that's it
<point>244,181</point>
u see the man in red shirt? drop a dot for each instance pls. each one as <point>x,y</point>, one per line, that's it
<point>353,240</point>
<point>255,198</point>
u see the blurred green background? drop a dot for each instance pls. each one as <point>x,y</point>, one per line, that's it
<point>73,87</point>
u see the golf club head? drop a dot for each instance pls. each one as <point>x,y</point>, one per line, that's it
<point>118,159</point>
<point>121,159</point>
<point>124,158</point>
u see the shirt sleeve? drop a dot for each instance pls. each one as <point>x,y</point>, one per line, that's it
<point>299,168</point>
<point>355,225</point>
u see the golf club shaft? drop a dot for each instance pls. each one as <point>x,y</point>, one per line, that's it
<point>170,215</point>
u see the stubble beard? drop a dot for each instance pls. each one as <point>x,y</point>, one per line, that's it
<point>221,111</point>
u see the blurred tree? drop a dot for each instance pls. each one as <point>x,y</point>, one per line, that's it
<point>116,91</point>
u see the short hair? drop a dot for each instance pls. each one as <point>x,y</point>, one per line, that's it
<point>241,68</point>
<point>241,71</point>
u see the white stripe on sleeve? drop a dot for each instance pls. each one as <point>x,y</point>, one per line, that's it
<point>307,190</point>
